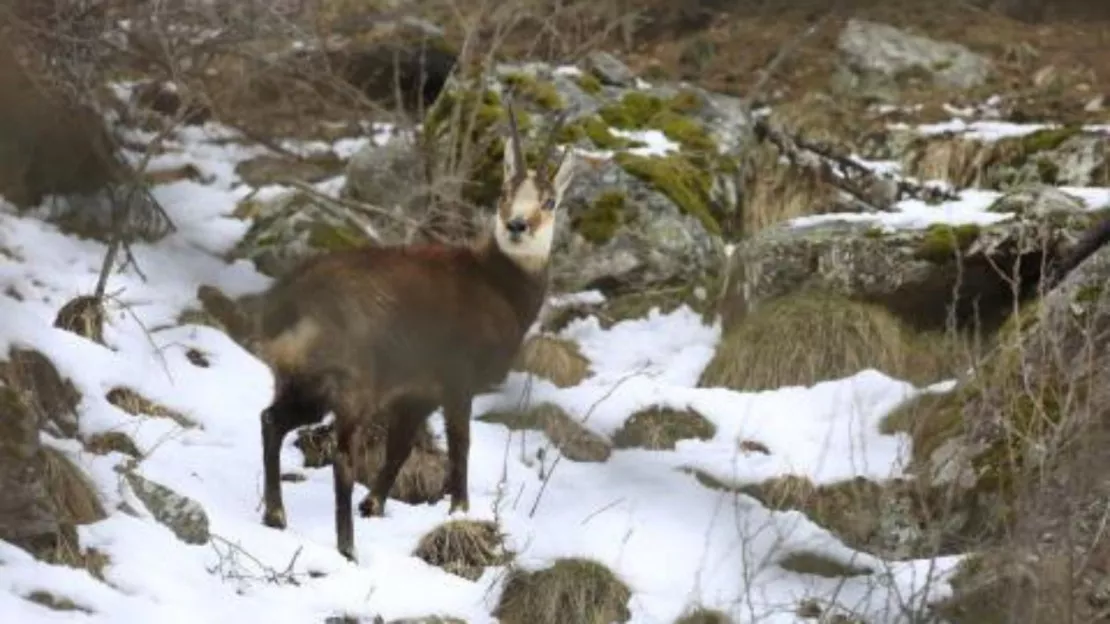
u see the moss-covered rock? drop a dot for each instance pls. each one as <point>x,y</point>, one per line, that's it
<point>679,178</point>
<point>917,274</point>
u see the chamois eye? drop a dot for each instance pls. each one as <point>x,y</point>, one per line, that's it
<point>549,203</point>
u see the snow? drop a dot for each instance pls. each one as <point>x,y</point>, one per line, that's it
<point>675,542</point>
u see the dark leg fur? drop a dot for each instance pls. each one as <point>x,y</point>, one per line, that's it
<point>404,418</point>
<point>456,415</point>
<point>343,471</point>
<point>291,408</point>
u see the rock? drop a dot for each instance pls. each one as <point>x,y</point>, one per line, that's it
<point>51,398</point>
<point>293,227</point>
<point>876,57</point>
<point>268,169</point>
<point>617,232</point>
<point>609,69</point>
<point>388,176</point>
<point>27,515</point>
<point>182,515</point>
<point>911,272</point>
<point>1065,155</point>
<point>165,99</point>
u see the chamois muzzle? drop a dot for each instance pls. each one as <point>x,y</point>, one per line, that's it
<point>516,227</point>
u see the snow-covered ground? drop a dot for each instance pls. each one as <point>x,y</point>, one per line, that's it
<point>675,542</point>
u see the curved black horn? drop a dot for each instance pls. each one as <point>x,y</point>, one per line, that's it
<point>514,142</point>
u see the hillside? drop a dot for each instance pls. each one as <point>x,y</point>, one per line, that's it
<point>728,411</point>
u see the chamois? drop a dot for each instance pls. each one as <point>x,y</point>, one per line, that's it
<point>392,333</point>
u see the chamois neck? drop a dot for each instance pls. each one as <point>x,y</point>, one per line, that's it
<point>524,287</point>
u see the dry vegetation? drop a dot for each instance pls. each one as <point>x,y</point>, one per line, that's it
<point>571,590</point>
<point>136,404</point>
<point>464,547</point>
<point>843,337</point>
<point>555,359</point>
<point>572,438</point>
<point>660,428</point>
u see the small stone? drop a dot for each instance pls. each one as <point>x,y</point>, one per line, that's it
<point>182,515</point>
<point>609,69</point>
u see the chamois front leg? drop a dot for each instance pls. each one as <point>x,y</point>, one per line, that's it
<point>343,472</point>
<point>272,435</point>
<point>292,407</point>
<point>456,416</point>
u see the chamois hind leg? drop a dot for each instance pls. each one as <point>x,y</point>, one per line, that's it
<point>404,417</point>
<point>456,416</point>
<point>343,473</point>
<point>293,406</point>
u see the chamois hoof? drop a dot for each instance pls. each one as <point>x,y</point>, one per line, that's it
<point>371,507</point>
<point>274,518</point>
<point>349,554</point>
<point>459,505</point>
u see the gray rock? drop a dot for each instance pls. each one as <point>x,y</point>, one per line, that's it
<point>875,55</point>
<point>913,272</point>
<point>293,227</point>
<point>609,69</point>
<point>27,515</point>
<point>388,176</point>
<point>182,515</point>
<point>1082,160</point>
<point>656,242</point>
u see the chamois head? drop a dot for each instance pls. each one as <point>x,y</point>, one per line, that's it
<point>524,226</point>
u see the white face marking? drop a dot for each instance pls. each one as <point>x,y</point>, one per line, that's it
<point>530,248</point>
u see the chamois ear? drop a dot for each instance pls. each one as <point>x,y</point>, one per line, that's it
<point>565,174</point>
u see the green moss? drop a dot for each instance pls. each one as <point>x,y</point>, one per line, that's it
<point>679,179</point>
<point>328,237</point>
<point>685,101</point>
<point>479,117</point>
<point>1047,138</point>
<point>542,94</point>
<point>588,83</point>
<point>599,134</point>
<point>604,216</point>
<point>685,131</point>
<point>1090,293</point>
<point>1048,172</point>
<point>873,232</point>
<point>942,241</point>
<point>634,111</point>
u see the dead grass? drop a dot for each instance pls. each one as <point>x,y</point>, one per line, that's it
<point>571,590</point>
<point>83,316</point>
<point>842,337</point>
<point>421,477</point>
<point>112,441</point>
<point>817,564</point>
<point>660,428</point>
<point>702,615</point>
<point>136,404</point>
<point>74,497</point>
<point>463,547</point>
<point>558,360</point>
<point>55,602</point>
<point>574,440</point>
<point>781,191</point>
<point>67,552</point>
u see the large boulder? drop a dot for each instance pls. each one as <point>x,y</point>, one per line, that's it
<point>916,273</point>
<point>878,59</point>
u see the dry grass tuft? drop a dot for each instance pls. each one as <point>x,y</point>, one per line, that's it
<point>781,191</point>
<point>83,316</point>
<point>136,404</point>
<point>842,337</point>
<point>660,428</point>
<point>421,477</point>
<point>112,441</point>
<point>574,440</point>
<point>55,602</point>
<point>556,359</point>
<point>66,552</point>
<point>701,615</point>
<point>571,590</point>
<point>805,562</point>
<point>464,547</point>
<point>75,499</point>
<point>634,305</point>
